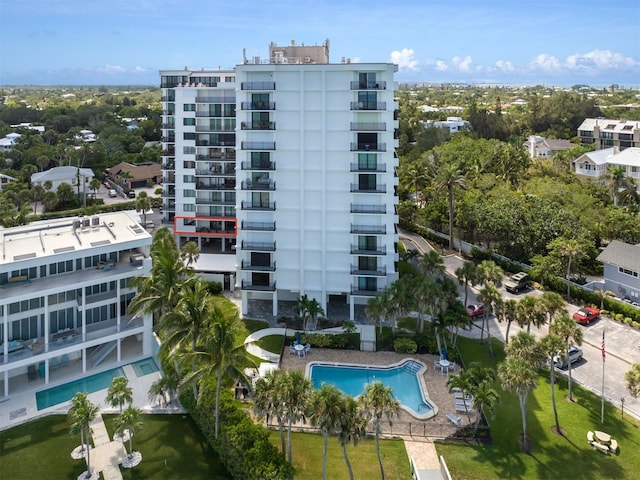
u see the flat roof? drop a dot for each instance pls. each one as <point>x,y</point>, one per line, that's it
<point>64,235</point>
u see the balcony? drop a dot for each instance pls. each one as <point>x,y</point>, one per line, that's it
<point>368,126</point>
<point>379,271</point>
<point>266,125</point>
<point>378,250</point>
<point>258,226</point>
<point>378,168</point>
<point>258,246</point>
<point>375,209</point>
<point>168,126</point>
<point>368,105</point>
<point>378,188</point>
<point>169,179</point>
<point>369,229</point>
<point>258,106</point>
<point>213,201</point>
<point>230,185</point>
<point>245,285</point>
<point>170,152</point>
<point>216,100</point>
<point>168,166</point>
<point>209,128</point>
<point>368,147</point>
<point>266,185</point>
<point>258,145</point>
<point>226,156</point>
<point>247,265</point>
<point>374,85</point>
<point>264,206</point>
<point>361,292</point>
<point>217,143</point>
<point>258,165</point>
<point>168,112</point>
<point>258,86</point>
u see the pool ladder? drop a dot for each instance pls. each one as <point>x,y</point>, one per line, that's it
<point>412,367</point>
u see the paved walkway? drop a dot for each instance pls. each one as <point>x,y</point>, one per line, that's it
<point>424,457</point>
<point>107,455</point>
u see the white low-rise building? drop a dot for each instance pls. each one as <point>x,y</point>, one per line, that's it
<point>60,175</point>
<point>65,285</point>
<point>595,164</point>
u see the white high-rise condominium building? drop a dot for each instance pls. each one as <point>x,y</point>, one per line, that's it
<point>314,173</point>
<point>64,292</point>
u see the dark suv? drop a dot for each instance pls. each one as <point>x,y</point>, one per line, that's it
<point>517,282</point>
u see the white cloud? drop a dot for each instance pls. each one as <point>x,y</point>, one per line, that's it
<point>404,59</point>
<point>504,66</point>
<point>600,60</point>
<point>140,70</point>
<point>462,64</point>
<point>112,69</point>
<point>441,66</point>
<point>545,62</point>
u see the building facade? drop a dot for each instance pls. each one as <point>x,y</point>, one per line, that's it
<point>64,291</point>
<point>307,155</point>
<point>605,133</point>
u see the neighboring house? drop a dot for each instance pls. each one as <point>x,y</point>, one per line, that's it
<point>622,269</point>
<point>8,142</point>
<point>605,133</point>
<point>29,126</point>
<point>135,175</point>
<point>453,124</point>
<point>6,179</point>
<point>86,136</point>
<point>65,287</point>
<point>540,147</point>
<point>595,164</point>
<point>60,175</point>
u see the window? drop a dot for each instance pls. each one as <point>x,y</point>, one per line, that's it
<point>368,100</point>
<point>366,181</point>
<point>229,79</point>
<point>189,121</point>
<point>229,109</point>
<point>367,161</point>
<point>367,283</point>
<point>189,135</point>
<point>628,272</point>
<point>189,107</point>
<point>188,207</point>
<point>189,193</point>
<point>189,178</point>
<point>260,159</point>
<point>366,242</point>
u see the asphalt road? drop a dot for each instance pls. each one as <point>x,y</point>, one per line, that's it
<point>622,343</point>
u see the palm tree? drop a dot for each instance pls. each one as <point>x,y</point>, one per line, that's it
<point>268,401</point>
<point>190,253</point>
<point>425,291</point>
<point>524,345</point>
<point>183,326</point>
<point>431,264</point>
<point>485,400</point>
<point>158,390</point>
<point>571,249</point>
<point>37,194</point>
<point>378,402</point>
<point>507,311</point>
<point>325,412</point>
<point>463,382</point>
<point>295,393</point>
<point>314,311</point>
<point>489,272</point>
<point>516,375</point>
<point>570,333</point>
<point>375,311</point>
<point>616,174</point>
<point>143,204</point>
<point>119,392</point>
<point>448,178</point>
<point>94,185</point>
<point>528,312</point>
<point>552,345</point>
<point>490,296</point>
<point>129,419</point>
<point>551,304</point>
<point>632,379</point>
<point>220,356</point>
<point>352,428</point>
<point>80,415</point>
<point>467,274</point>
<point>302,310</point>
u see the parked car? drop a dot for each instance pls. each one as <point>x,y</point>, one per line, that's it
<point>131,194</point>
<point>112,193</point>
<point>586,315</point>
<point>575,354</point>
<point>517,282</point>
<point>476,309</point>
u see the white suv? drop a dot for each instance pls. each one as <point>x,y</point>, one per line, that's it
<point>575,355</point>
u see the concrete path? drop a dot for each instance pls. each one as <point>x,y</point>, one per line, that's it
<point>107,455</point>
<point>424,459</point>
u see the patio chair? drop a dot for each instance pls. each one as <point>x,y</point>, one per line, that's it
<point>31,372</point>
<point>614,446</point>
<point>307,349</point>
<point>457,421</point>
<point>64,360</point>
<point>590,437</point>
<point>292,350</point>
<point>53,363</point>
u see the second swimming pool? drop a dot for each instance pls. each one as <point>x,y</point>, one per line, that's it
<point>404,378</point>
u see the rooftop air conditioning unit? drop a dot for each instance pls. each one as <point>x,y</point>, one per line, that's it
<point>95,221</point>
<point>85,222</point>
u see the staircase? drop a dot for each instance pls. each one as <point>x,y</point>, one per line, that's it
<point>102,352</point>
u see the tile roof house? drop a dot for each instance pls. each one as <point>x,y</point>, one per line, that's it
<point>622,269</point>
<point>135,175</point>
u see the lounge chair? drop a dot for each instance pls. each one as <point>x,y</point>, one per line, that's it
<point>53,363</point>
<point>457,421</point>
<point>292,350</point>
<point>461,408</point>
<point>456,389</point>
<point>462,396</point>
<point>469,404</point>
<point>590,437</point>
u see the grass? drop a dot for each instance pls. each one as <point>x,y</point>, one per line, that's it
<point>307,457</point>
<point>553,456</point>
<point>271,343</point>
<point>171,446</point>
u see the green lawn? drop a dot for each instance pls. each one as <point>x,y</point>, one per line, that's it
<point>271,343</point>
<point>307,458</point>
<point>171,446</point>
<point>553,456</point>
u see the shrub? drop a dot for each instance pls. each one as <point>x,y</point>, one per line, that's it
<point>627,321</point>
<point>405,345</point>
<point>635,324</point>
<point>214,287</point>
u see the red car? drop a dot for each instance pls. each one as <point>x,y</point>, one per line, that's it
<point>586,315</point>
<point>475,310</point>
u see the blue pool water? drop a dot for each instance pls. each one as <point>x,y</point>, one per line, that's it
<point>145,367</point>
<point>351,379</point>
<point>64,393</point>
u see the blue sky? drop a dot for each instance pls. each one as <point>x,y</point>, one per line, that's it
<point>126,42</point>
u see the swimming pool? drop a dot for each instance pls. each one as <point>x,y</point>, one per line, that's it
<point>145,367</point>
<point>65,392</point>
<point>405,379</point>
